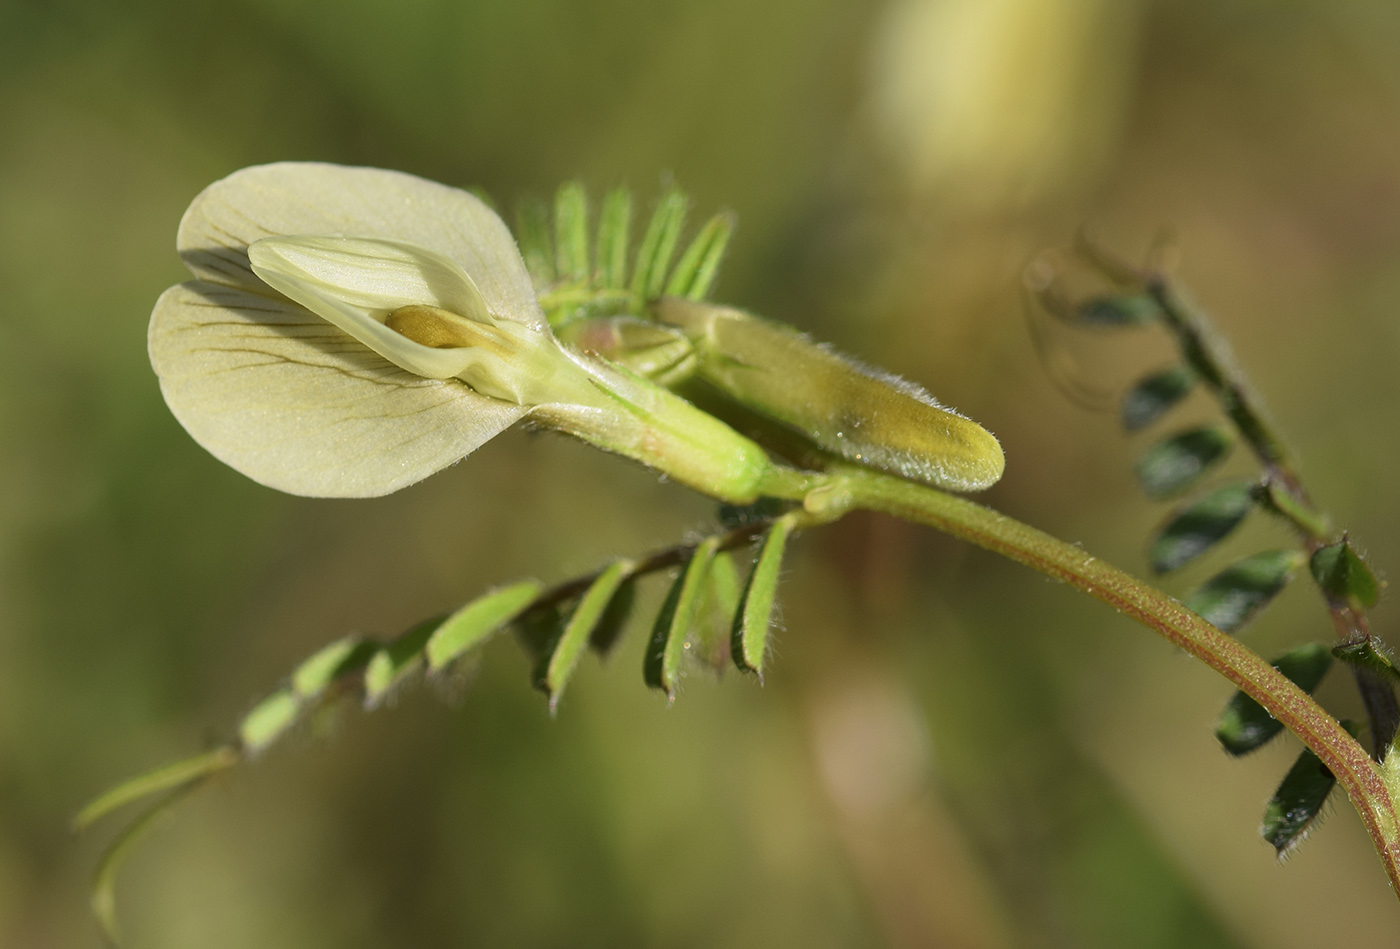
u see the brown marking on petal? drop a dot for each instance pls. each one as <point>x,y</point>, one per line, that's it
<point>432,326</point>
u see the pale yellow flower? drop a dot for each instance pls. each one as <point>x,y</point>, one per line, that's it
<point>351,331</point>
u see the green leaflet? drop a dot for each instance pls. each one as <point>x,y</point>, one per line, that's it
<point>1136,309</point>
<point>614,620</point>
<point>163,778</point>
<point>614,233</point>
<point>1299,799</point>
<point>1150,399</point>
<point>395,662</point>
<point>532,233</point>
<point>1200,525</point>
<point>474,623</point>
<point>580,628</point>
<point>1344,576</point>
<point>749,638</point>
<point>708,642</point>
<point>1232,597</point>
<point>659,245</point>
<point>329,663</point>
<point>699,265</point>
<point>1297,802</point>
<point>1172,466</point>
<point>571,232</point>
<point>268,720</point>
<point>577,279</point>
<point>1244,725</point>
<point>661,667</point>
<point>1368,654</point>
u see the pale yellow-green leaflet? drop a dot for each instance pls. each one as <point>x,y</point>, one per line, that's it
<point>291,400</point>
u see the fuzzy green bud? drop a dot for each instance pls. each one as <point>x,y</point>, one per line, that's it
<point>865,416</point>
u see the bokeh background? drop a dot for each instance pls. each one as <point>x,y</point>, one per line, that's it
<point>949,750</point>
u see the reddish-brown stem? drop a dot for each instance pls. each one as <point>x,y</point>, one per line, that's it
<point>1290,705</point>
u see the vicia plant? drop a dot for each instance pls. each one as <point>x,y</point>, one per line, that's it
<point>353,330</point>
<point>350,331</point>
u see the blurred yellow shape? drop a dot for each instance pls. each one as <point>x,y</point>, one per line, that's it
<point>994,104</point>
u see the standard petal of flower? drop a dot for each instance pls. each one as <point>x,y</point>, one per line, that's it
<point>291,198</point>
<point>291,401</point>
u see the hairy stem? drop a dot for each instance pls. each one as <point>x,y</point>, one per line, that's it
<point>826,497</point>
<point>1207,356</point>
<point>963,518</point>
<point>1286,495</point>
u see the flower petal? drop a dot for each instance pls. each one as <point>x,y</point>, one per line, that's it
<point>290,198</point>
<point>372,273</point>
<point>291,401</point>
<point>355,282</point>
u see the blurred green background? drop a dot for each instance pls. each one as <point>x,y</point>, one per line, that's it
<point>949,750</point>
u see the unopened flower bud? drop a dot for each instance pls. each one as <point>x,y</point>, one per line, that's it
<point>845,408</point>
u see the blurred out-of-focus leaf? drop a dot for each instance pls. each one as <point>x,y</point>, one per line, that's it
<point>699,265</point>
<point>1135,309</point>
<point>614,232</point>
<point>473,623</point>
<point>104,885</point>
<point>1200,525</point>
<point>1147,401</point>
<point>397,661</point>
<point>532,234</point>
<point>1172,466</point>
<point>659,245</point>
<point>268,720</point>
<point>328,663</point>
<point>1232,597</point>
<point>571,232</point>
<point>152,782</point>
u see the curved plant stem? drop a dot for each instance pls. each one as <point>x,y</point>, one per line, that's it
<point>1208,356</point>
<point>1285,485</point>
<point>826,497</point>
<point>963,518</point>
